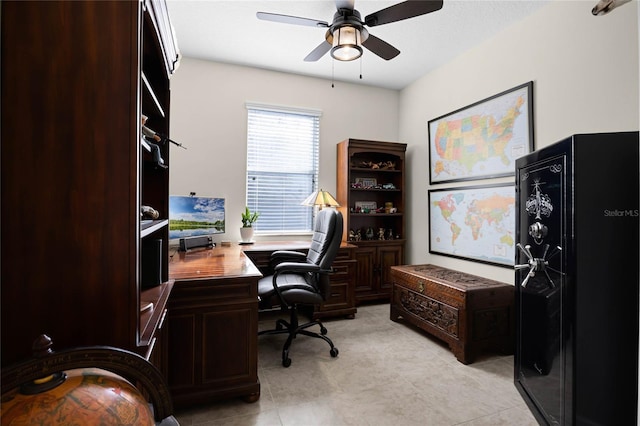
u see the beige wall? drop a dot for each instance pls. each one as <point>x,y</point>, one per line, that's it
<point>585,74</point>
<point>209,117</point>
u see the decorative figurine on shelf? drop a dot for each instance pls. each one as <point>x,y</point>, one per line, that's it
<point>388,165</point>
<point>389,234</point>
<point>382,165</point>
<point>358,235</point>
<point>352,235</point>
<point>148,212</point>
<point>381,234</point>
<point>369,234</point>
<point>158,136</point>
<point>153,139</point>
<point>369,165</point>
<point>148,136</point>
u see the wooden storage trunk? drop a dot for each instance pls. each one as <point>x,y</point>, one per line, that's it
<point>470,313</point>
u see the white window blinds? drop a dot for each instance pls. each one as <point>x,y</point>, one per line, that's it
<point>282,167</point>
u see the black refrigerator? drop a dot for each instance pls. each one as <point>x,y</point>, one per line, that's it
<point>576,279</point>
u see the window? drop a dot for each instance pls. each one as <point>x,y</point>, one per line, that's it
<point>282,167</point>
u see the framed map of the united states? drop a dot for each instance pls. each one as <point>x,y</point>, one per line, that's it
<point>484,139</point>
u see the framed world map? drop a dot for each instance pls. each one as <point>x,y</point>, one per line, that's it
<point>474,223</point>
<point>484,139</point>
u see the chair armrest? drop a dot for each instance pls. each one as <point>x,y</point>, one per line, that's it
<point>280,256</point>
<point>288,268</point>
<point>295,267</point>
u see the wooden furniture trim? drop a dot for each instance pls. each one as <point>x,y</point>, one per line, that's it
<point>152,227</point>
<point>151,320</point>
<point>166,42</point>
<point>152,94</point>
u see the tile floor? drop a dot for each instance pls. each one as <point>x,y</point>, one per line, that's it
<point>387,373</point>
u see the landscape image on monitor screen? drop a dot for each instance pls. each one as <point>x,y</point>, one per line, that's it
<point>194,216</point>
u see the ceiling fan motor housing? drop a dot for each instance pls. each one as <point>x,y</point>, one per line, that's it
<point>343,18</point>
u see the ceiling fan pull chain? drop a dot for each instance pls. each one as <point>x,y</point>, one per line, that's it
<point>360,67</point>
<point>332,72</point>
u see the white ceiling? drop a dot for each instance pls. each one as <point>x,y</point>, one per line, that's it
<point>229,31</point>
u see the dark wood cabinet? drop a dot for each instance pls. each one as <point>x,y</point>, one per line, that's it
<point>371,193</point>
<point>76,77</point>
<point>213,326</point>
<point>373,273</point>
<point>211,354</point>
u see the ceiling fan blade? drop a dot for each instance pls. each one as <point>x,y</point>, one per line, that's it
<point>288,19</point>
<point>345,4</point>
<point>318,52</point>
<point>404,10</point>
<point>380,47</point>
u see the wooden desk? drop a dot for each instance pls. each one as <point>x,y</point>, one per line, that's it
<point>213,326</point>
<point>213,317</point>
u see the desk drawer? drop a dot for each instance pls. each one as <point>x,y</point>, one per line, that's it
<point>341,299</point>
<point>338,296</point>
<point>196,294</point>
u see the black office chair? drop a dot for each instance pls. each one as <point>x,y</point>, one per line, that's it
<point>300,279</point>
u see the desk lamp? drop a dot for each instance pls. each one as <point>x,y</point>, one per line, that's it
<point>321,199</point>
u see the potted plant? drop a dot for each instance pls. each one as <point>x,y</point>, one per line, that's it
<point>248,218</point>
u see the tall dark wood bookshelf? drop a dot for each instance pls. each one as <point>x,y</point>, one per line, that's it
<point>76,78</point>
<point>372,173</point>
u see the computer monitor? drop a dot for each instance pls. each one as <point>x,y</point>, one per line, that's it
<point>191,216</point>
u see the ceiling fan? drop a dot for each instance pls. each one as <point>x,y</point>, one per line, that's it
<point>347,33</point>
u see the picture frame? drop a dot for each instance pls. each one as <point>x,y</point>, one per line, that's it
<point>475,223</point>
<point>366,182</point>
<point>368,206</point>
<point>482,140</point>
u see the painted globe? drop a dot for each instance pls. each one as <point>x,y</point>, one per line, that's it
<point>88,396</point>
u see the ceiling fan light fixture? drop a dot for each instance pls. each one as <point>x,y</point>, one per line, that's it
<point>347,42</point>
